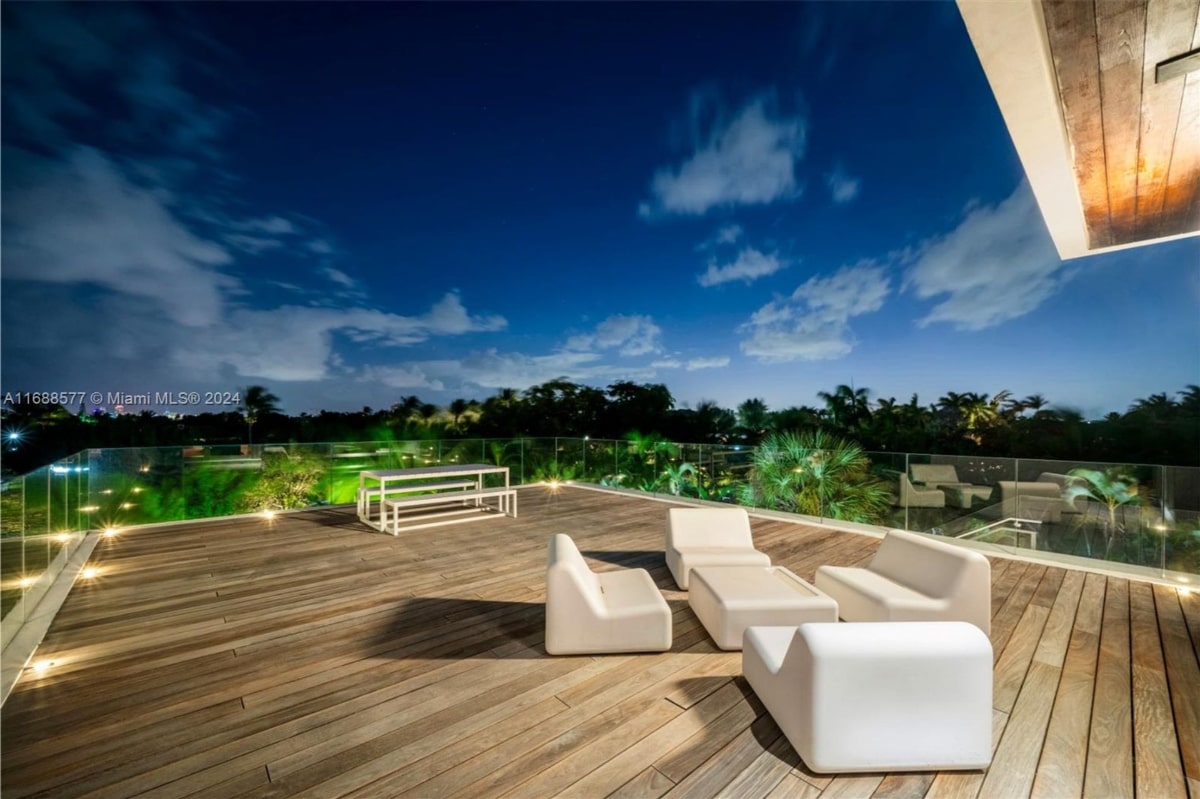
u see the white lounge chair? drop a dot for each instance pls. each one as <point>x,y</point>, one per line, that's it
<point>586,612</point>
<point>709,537</point>
<point>908,696</point>
<point>913,578</point>
<point>945,476</point>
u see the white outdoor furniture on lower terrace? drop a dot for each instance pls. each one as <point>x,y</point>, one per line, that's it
<point>728,599</point>
<point>709,537</point>
<point>913,578</point>
<point>905,696</point>
<point>616,611</point>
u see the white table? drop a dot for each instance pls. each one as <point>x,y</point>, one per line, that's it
<point>417,479</point>
<point>728,599</point>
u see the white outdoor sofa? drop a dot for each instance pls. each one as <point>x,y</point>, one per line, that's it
<point>1043,499</point>
<point>913,578</point>
<point>709,537</point>
<point>896,696</point>
<point>586,612</point>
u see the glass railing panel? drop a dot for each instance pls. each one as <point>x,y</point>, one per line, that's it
<point>540,460</point>
<point>600,460</point>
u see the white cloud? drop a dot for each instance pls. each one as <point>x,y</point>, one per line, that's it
<point>409,377</point>
<point>339,277</point>
<point>252,245</point>
<point>751,160</point>
<point>492,369</point>
<point>667,363</point>
<point>633,335</point>
<point>842,187</point>
<point>998,264</point>
<point>749,266</point>
<point>696,364</point>
<point>296,342</point>
<point>813,323</point>
<point>81,220</point>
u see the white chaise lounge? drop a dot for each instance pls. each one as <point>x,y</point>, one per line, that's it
<point>586,612</point>
<point>913,578</point>
<point>944,476</point>
<point>906,696</point>
<point>709,537</point>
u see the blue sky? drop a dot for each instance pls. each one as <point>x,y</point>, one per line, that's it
<point>351,203</point>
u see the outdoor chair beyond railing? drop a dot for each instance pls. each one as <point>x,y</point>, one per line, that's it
<point>709,537</point>
<point>944,477</point>
<point>586,612</point>
<point>913,578</point>
<point>913,497</point>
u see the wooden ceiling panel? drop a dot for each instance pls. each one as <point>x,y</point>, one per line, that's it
<point>1170,30</point>
<point>1181,207</point>
<point>1075,58</point>
<point>1120,42</point>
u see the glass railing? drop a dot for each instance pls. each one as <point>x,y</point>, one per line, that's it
<point>43,518</point>
<point>1013,505</point>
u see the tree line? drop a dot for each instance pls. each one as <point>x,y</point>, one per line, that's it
<point>1159,429</point>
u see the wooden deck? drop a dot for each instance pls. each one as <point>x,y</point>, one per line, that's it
<point>310,656</point>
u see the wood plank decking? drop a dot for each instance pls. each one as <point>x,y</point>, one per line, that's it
<point>310,656</point>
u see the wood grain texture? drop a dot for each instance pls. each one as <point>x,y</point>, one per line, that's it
<point>1156,748</point>
<point>314,658</point>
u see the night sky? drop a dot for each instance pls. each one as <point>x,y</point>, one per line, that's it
<point>350,203</point>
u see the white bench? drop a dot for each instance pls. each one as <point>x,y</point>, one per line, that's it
<point>391,520</point>
<point>913,578</point>
<point>895,696</point>
<point>614,611</point>
<point>367,495</point>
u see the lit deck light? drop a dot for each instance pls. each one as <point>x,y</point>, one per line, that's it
<point>25,582</point>
<point>553,484</point>
<point>13,435</point>
<point>268,514</point>
<point>109,532</point>
<point>62,538</point>
<point>90,573</point>
<point>41,667</point>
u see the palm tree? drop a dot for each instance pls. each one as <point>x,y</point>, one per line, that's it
<point>257,402</point>
<point>1111,488</point>
<point>427,412</point>
<point>1035,403</point>
<point>457,408</point>
<point>847,407</point>
<point>817,474</point>
<point>407,407</point>
<point>753,416</point>
<point>1189,401</point>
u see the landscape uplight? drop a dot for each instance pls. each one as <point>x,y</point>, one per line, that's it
<point>13,435</point>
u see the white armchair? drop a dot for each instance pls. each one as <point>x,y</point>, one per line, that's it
<point>586,612</point>
<point>709,537</point>
<point>913,578</point>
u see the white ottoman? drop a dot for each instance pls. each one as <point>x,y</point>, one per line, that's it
<point>877,696</point>
<point>728,599</point>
